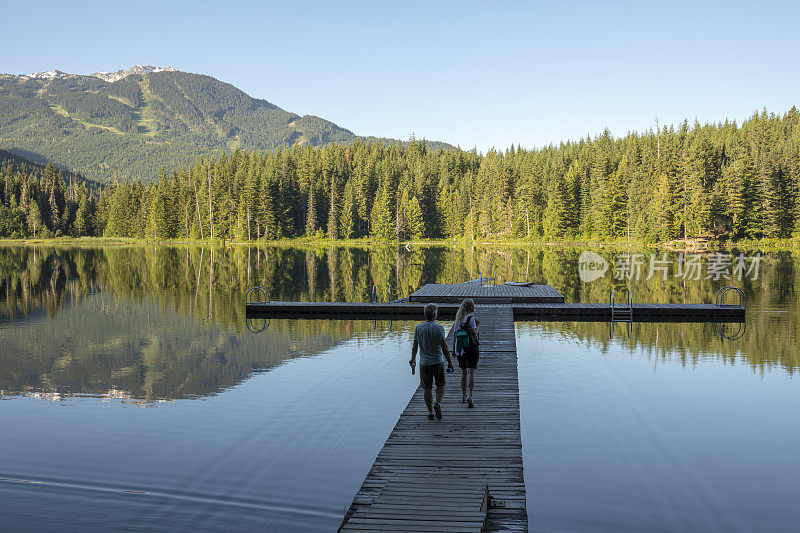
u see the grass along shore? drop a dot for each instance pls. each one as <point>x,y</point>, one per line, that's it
<point>687,245</point>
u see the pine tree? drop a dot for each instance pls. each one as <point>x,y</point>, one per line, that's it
<point>601,196</point>
<point>737,175</point>
<point>34,218</point>
<point>415,221</point>
<point>267,213</point>
<point>24,200</point>
<point>84,216</point>
<point>347,216</point>
<point>55,213</point>
<point>333,210</point>
<point>555,215</point>
<point>311,212</point>
<point>119,217</point>
<point>382,223</point>
<point>8,187</point>
<point>618,193</point>
<point>241,221</point>
<point>697,207</point>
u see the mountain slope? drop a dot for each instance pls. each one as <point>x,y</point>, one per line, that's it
<point>145,118</point>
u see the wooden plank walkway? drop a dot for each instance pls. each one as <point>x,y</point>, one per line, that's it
<point>482,293</point>
<point>522,311</point>
<point>431,474</point>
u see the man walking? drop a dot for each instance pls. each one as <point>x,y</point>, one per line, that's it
<point>429,338</point>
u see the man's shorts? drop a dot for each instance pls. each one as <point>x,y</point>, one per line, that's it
<point>427,373</point>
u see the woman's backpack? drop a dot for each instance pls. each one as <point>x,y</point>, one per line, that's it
<point>465,339</point>
<point>461,340</point>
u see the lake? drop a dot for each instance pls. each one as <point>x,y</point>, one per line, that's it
<point>137,397</point>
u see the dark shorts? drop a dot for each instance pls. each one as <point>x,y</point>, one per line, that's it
<point>427,373</point>
<point>468,360</point>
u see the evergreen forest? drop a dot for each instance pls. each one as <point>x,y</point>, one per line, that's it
<point>723,180</point>
<point>44,201</point>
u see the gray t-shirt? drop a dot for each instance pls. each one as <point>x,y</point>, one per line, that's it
<point>429,336</point>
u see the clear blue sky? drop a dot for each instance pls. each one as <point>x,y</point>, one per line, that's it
<point>470,73</point>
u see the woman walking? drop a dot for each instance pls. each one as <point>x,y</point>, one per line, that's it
<point>465,346</point>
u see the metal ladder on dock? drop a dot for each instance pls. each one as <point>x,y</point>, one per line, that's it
<point>262,290</point>
<point>719,301</point>
<point>621,313</point>
<point>257,325</point>
<point>373,297</point>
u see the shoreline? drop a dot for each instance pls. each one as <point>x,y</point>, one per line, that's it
<point>689,245</point>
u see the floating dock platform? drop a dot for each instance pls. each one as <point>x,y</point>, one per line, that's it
<point>545,312</point>
<point>482,293</point>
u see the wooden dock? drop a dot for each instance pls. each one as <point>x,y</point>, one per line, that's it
<point>463,473</point>
<point>588,312</point>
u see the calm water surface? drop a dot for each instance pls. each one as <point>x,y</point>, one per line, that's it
<point>135,398</point>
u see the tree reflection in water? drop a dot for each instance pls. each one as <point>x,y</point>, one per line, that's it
<point>161,322</point>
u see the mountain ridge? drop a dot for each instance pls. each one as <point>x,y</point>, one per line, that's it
<point>129,123</point>
<point>136,69</point>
